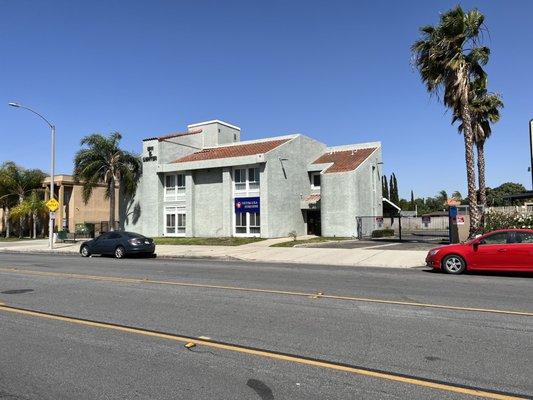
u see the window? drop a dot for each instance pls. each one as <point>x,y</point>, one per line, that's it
<point>247,224</point>
<point>240,179</point>
<point>524,237</point>
<point>181,223</point>
<point>497,238</point>
<point>174,185</point>
<point>114,236</point>
<point>171,223</point>
<point>170,185</point>
<point>246,179</point>
<point>255,223</point>
<point>175,221</point>
<point>315,181</point>
<point>240,222</point>
<point>253,178</point>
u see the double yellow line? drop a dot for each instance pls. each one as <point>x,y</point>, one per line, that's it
<point>256,290</point>
<point>426,383</point>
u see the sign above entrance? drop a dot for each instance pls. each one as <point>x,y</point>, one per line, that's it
<point>247,204</point>
<point>52,204</point>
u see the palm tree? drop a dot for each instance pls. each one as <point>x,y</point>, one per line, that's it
<point>448,58</point>
<point>457,196</point>
<point>32,206</point>
<point>17,183</point>
<point>485,110</point>
<point>102,160</point>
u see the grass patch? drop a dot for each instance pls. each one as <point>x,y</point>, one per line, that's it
<point>320,239</point>
<point>221,241</point>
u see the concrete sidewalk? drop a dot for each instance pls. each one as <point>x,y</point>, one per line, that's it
<point>367,257</point>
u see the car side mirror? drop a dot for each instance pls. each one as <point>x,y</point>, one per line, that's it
<point>475,245</point>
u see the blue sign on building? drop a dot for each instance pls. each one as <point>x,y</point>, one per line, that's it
<point>247,204</point>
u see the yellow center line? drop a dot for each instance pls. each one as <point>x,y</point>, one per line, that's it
<point>269,354</point>
<point>256,290</point>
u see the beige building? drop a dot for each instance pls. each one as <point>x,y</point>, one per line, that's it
<point>72,210</point>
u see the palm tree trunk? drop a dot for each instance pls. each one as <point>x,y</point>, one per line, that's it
<point>21,220</point>
<point>34,216</point>
<point>470,170</point>
<point>112,204</point>
<point>481,172</point>
<point>8,223</point>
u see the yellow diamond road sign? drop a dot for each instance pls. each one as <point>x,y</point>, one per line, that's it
<point>52,204</point>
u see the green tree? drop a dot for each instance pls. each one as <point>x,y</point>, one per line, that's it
<point>32,206</point>
<point>394,197</point>
<point>17,183</point>
<point>412,203</point>
<point>101,160</point>
<point>385,187</point>
<point>442,197</point>
<point>457,196</point>
<point>449,58</point>
<point>496,196</point>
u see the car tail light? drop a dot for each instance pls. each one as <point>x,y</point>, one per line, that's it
<point>135,241</point>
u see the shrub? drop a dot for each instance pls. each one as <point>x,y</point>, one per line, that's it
<point>499,220</point>
<point>378,233</point>
<point>293,235</point>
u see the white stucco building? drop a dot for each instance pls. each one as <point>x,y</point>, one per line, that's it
<point>206,182</point>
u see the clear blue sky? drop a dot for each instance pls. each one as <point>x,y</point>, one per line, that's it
<point>337,71</point>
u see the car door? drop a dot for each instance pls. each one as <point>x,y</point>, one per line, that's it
<point>110,242</point>
<point>523,253</point>
<point>97,247</point>
<point>493,252</point>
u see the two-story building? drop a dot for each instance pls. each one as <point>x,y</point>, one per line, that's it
<point>206,182</point>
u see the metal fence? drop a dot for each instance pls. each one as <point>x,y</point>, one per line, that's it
<point>421,229</point>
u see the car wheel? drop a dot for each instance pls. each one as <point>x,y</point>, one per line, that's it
<point>453,264</point>
<point>84,251</point>
<point>120,252</point>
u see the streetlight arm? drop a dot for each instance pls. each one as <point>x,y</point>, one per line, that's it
<point>36,113</point>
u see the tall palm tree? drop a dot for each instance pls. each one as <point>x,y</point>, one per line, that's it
<point>448,58</point>
<point>103,161</point>
<point>485,110</point>
<point>18,182</point>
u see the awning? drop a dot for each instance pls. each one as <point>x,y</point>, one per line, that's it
<point>311,202</point>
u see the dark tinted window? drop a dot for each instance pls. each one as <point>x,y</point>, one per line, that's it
<point>104,236</point>
<point>524,237</point>
<point>114,235</point>
<point>496,238</point>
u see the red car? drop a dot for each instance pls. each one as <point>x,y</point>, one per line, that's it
<point>503,250</point>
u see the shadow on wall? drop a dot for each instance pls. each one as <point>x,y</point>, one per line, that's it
<point>130,213</point>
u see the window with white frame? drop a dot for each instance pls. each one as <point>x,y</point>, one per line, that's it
<point>253,178</point>
<point>247,224</point>
<point>240,179</point>
<point>255,223</point>
<point>240,223</point>
<point>175,221</point>
<point>246,179</point>
<point>174,186</point>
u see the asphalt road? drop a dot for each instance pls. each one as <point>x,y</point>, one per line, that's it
<point>377,344</point>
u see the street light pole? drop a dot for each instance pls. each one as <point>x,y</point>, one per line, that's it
<point>52,168</point>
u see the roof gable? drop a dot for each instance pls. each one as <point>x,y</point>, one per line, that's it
<point>344,160</point>
<point>234,150</point>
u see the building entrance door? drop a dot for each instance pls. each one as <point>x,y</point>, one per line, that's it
<point>313,222</point>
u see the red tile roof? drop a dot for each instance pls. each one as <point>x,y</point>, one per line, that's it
<point>173,135</point>
<point>313,198</point>
<point>236,150</point>
<point>344,160</point>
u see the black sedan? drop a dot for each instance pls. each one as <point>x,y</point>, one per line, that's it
<point>119,244</point>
